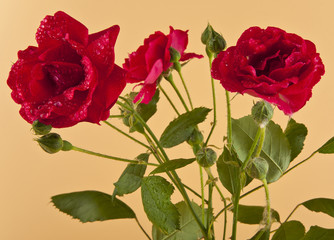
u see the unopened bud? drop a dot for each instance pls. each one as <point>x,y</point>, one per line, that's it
<point>258,168</point>
<point>51,143</point>
<point>262,113</point>
<point>195,138</point>
<point>40,128</point>
<point>206,157</point>
<point>216,43</point>
<point>206,35</point>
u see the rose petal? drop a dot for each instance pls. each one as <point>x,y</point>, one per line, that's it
<point>55,28</point>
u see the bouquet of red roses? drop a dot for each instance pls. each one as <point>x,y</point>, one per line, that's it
<point>71,77</point>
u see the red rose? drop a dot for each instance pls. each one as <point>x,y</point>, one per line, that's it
<point>153,58</point>
<point>70,77</point>
<point>279,67</point>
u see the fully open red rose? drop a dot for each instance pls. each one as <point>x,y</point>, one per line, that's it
<point>279,67</point>
<point>153,58</point>
<point>70,77</point>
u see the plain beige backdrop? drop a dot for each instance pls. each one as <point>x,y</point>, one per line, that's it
<point>29,177</point>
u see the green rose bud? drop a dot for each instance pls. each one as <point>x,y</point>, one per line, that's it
<point>206,35</point>
<point>40,128</point>
<point>258,168</point>
<point>51,143</point>
<point>206,157</point>
<point>262,112</point>
<point>195,138</point>
<point>216,43</point>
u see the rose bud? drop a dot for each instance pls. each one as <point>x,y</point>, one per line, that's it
<point>215,43</point>
<point>195,138</point>
<point>51,143</point>
<point>206,157</point>
<point>258,168</point>
<point>262,113</point>
<point>40,128</point>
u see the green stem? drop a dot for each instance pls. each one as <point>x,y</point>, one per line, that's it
<point>116,116</point>
<point>300,162</point>
<point>252,149</point>
<point>169,100</point>
<point>186,89</point>
<point>209,211</point>
<point>111,157</point>
<point>195,193</point>
<point>171,81</point>
<point>214,123</point>
<point>202,193</point>
<point>292,213</point>
<point>127,135</point>
<point>229,120</point>
<point>268,214</point>
<point>261,141</point>
<point>175,178</point>
<point>236,199</point>
<point>141,227</point>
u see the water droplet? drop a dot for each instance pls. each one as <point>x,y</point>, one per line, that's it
<point>58,104</point>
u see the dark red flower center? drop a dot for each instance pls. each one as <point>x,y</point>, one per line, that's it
<point>63,75</point>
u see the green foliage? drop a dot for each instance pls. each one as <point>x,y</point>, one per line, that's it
<point>296,134</point>
<point>189,229</point>
<point>319,233</point>
<point>172,165</point>
<point>228,170</point>
<point>181,128</point>
<point>324,205</point>
<point>156,193</point>
<point>130,180</point>
<point>292,230</point>
<point>255,214</point>
<point>328,147</point>
<point>145,111</point>
<point>276,148</point>
<point>91,206</point>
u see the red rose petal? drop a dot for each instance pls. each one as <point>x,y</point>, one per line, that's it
<point>55,28</point>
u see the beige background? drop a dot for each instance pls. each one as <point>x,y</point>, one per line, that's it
<point>29,177</point>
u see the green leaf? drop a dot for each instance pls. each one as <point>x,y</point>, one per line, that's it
<point>228,171</point>
<point>91,206</point>
<point>276,148</point>
<point>181,128</point>
<point>130,180</point>
<point>328,147</point>
<point>254,214</point>
<point>172,165</point>
<point>156,193</point>
<point>292,230</point>
<point>189,229</point>
<point>319,233</point>
<point>324,205</point>
<point>296,134</point>
<point>146,111</point>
